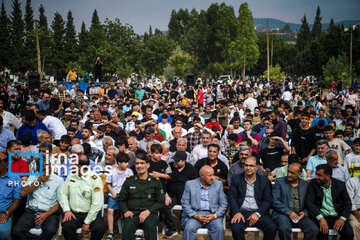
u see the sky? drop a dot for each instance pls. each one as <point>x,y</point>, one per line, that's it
<point>142,13</point>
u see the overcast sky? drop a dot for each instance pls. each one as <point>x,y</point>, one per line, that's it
<point>142,13</point>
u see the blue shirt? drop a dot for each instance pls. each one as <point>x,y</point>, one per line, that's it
<point>313,162</point>
<point>316,121</point>
<point>10,190</point>
<point>5,136</point>
<point>46,195</point>
<point>44,106</point>
<point>25,128</point>
<point>204,198</point>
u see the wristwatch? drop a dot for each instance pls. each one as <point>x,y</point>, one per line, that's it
<point>216,216</point>
<point>258,214</point>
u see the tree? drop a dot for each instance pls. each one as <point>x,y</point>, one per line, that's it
<point>304,35</point>
<point>95,33</point>
<point>286,29</point>
<point>70,42</point>
<point>42,18</point>
<point>30,44</point>
<point>44,39</point>
<point>4,38</point>
<point>227,32</point>
<point>83,38</point>
<point>337,68</point>
<point>247,49</point>
<point>275,73</point>
<point>29,17</point>
<point>179,64</point>
<point>17,39</point>
<point>156,51</point>
<point>58,32</point>
<point>317,30</point>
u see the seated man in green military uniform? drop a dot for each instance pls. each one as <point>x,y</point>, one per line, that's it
<point>81,199</point>
<point>140,199</point>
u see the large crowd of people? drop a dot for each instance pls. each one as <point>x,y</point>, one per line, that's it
<point>271,155</point>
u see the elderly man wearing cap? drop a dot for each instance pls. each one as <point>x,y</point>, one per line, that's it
<point>181,171</point>
<point>149,137</point>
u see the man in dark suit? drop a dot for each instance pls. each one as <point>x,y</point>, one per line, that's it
<point>250,200</point>
<point>289,205</point>
<point>329,204</point>
<point>204,205</point>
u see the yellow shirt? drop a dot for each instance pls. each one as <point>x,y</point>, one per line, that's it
<point>72,75</point>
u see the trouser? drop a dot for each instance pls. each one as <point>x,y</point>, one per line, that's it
<point>307,226</point>
<point>5,230</point>
<point>346,232</point>
<point>27,222</point>
<point>149,226</point>
<point>97,227</point>
<point>215,228</point>
<point>355,224</point>
<point>168,217</point>
<point>265,224</point>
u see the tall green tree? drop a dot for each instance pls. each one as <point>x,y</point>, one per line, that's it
<point>156,51</point>
<point>17,39</point>
<point>70,41</point>
<point>44,40</point>
<point>304,34</point>
<point>42,17</point>
<point>30,39</point>
<point>95,33</point>
<point>58,50</point>
<point>317,29</point>
<point>83,38</point>
<point>29,17</point>
<point>247,50</point>
<point>227,32</point>
<point>4,38</point>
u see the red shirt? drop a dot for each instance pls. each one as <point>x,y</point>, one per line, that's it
<point>209,125</point>
<point>200,97</point>
<point>158,136</point>
<point>19,166</point>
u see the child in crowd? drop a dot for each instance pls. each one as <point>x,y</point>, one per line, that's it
<point>335,144</point>
<point>352,160</point>
<point>114,183</point>
<point>65,142</point>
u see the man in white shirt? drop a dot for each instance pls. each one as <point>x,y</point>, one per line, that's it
<point>166,126</point>
<point>250,103</point>
<point>55,126</point>
<point>353,188</point>
<point>200,151</point>
<point>287,96</point>
<point>8,118</point>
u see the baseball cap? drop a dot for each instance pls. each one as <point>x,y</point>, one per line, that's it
<point>180,155</point>
<point>135,114</point>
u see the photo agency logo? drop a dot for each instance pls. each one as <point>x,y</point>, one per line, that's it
<point>58,164</point>
<point>16,154</point>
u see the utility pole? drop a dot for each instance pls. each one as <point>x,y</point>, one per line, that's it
<point>268,52</point>
<point>272,52</point>
<point>38,50</point>
<point>351,55</point>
